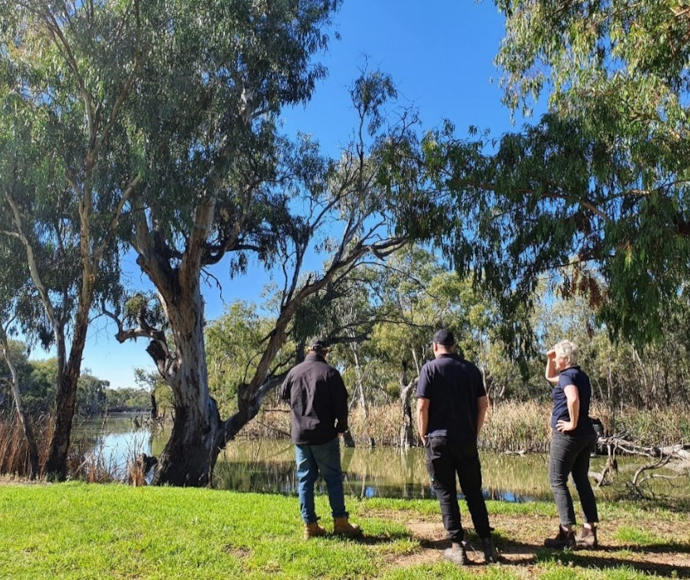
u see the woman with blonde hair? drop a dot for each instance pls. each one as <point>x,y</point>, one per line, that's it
<point>573,439</point>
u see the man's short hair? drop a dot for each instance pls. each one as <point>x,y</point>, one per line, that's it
<point>567,349</point>
<point>318,344</point>
<point>444,337</point>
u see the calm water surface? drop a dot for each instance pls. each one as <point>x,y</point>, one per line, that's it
<point>268,466</point>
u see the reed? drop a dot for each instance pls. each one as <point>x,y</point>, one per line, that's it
<point>517,427</point>
<point>90,464</point>
<point>511,426</point>
<point>655,427</point>
<point>84,461</point>
<point>524,426</point>
<point>14,450</point>
<point>383,425</point>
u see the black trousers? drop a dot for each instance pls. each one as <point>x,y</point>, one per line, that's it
<point>444,460</point>
<point>570,456</point>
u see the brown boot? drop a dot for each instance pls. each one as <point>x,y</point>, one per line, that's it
<point>564,540</point>
<point>313,530</point>
<point>587,538</point>
<point>456,554</point>
<point>343,527</point>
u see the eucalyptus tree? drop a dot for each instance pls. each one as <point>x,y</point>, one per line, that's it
<point>601,181</point>
<point>596,191</point>
<point>284,202</point>
<point>617,74</point>
<point>66,70</point>
<point>165,109</point>
<point>234,343</point>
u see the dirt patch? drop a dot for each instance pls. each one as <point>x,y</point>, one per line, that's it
<point>238,552</point>
<point>519,540</point>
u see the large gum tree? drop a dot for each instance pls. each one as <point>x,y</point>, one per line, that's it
<point>246,192</point>
<point>203,124</point>
<point>66,70</point>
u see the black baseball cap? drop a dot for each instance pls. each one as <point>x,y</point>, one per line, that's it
<point>318,343</point>
<point>444,337</point>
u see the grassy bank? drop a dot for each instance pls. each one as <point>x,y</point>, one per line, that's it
<point>76,530</point>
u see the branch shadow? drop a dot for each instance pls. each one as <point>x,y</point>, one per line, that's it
<point>670,547</point>
<point>593,559</point>
<point>520,554</point>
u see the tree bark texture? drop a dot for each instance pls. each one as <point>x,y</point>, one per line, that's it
<point>190,454</point>
<point>66,396</point>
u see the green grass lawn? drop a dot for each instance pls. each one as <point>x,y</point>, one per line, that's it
<point>76,530</point>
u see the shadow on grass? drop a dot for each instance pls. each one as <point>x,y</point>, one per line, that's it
<point>673,504</point>
<point>372,540</point>
<point>595,559</point>
<point>434,544</point>
<point>518,554</point>
<point>672,547</point>
<point>665,548</point>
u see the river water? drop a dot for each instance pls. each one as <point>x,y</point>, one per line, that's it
<point>268,466</point>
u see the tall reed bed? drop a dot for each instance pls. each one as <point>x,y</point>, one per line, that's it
<point>85,461</point>
<point>517,427</point>
<point>658,427</point>
<point>511,426</point>
<point>14,450</point>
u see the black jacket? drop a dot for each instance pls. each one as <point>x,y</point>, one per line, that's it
<point>318,401</point>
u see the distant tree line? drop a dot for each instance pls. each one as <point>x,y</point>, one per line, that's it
<point>38,388</point>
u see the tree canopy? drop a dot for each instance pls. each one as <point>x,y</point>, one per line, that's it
<point>596,191</point>
<point>604,177</point>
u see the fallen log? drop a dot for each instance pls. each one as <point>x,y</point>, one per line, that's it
<point>675,457</point>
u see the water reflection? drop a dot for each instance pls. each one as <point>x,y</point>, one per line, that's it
<point>112,443</point>
<point>269,467</point>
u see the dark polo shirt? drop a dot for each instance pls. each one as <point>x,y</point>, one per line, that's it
<point>452,386</point>
<point>318,401</point>
<point>572,376</point>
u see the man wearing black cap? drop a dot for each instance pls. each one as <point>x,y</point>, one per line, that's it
<point>451,406</point>
<point>318,408</point>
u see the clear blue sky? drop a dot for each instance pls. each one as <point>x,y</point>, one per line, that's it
<point>440,55</point>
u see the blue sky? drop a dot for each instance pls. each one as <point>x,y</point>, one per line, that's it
<point>440,56</point>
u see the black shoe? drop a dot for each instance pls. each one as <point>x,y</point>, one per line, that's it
<point>490,555</point>
<point>457,556</point>
<point>564,540</point>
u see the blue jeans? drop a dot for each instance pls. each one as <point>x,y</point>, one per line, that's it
<point>312,459</point>
<point>570,455</point>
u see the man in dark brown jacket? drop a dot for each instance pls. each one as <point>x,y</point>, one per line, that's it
<point>318,409</point>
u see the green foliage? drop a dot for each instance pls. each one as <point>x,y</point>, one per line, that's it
<point>91,395</point>
<point>233,349</point>
<point>603,177</point>
<point>202,127</point>
<point>622,374</point>
<point>127,399</point>
<point>38,392</point>
<point>151,385</point>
